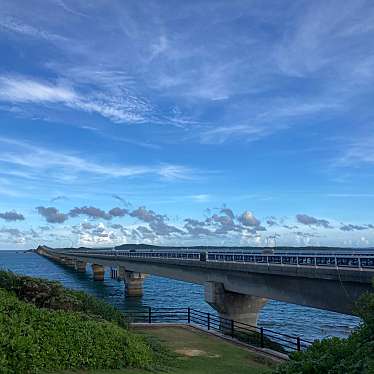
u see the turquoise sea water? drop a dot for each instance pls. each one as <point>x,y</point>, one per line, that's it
<point>291,319</point>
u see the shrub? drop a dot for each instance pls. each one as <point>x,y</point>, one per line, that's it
<point>93,306</point>
<point>354,355</point>
<point>34,340</point>
<point>52,295</point>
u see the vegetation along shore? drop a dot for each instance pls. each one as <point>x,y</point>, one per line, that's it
<point>46,328</point>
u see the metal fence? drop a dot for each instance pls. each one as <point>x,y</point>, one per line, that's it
<point>245,333</point>
<point>353,260</point>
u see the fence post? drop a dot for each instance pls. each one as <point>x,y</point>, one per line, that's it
<point>189,315</point>
<point>232,328</point>
<point>298,344</point>
<point>208,321</point>
<point>149,314</point>
<point>262,337</point>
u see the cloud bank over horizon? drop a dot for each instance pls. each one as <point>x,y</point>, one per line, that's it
<point>93,226</point>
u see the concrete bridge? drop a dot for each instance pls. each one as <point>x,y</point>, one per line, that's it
<point>238,284</point>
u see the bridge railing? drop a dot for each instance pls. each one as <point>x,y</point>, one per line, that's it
<point>245,333</point>
<point>351,261</point>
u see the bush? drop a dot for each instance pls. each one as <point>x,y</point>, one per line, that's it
<point>354,355</point>
<point>52,295</point>
<point>93,306</point>
<point>33,340</point>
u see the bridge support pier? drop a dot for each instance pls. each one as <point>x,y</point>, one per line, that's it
<point>133,283</point>
<point>98,272</point>
<point>121,273</point>
<point>80,266</point>
<point>233,306</point>
<point>69,262</point>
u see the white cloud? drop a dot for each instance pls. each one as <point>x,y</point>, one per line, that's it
<point>358,152</point>
<point>68,9</point>
<point>20,89</point>
<point>320,35</point>
<point>220,134</point>
<point>35,159</point>
<point>248,219</point>
<point>7,189</point>
<point>98,235</point>
<point>175,172</point>
<point>201,198</point>
<point>15,25</point>
<point>350,195</point>
<point>159,47</point>
<point>123,108</point>
<point>276,115</point>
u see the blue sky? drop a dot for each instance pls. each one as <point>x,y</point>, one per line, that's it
<point>199,122</point>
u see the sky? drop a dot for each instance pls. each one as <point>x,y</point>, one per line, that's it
<point>206,122</point>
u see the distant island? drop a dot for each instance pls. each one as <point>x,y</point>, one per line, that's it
<point>125,247</point>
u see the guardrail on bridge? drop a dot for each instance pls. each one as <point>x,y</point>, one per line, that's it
<point>358,261</point>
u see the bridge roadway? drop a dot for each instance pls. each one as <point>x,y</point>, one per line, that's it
<point>238,284</point>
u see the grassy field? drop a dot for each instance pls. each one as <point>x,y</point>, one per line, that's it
<point>197,352</point>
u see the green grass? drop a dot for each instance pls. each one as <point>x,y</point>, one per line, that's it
<point>216,356</point>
